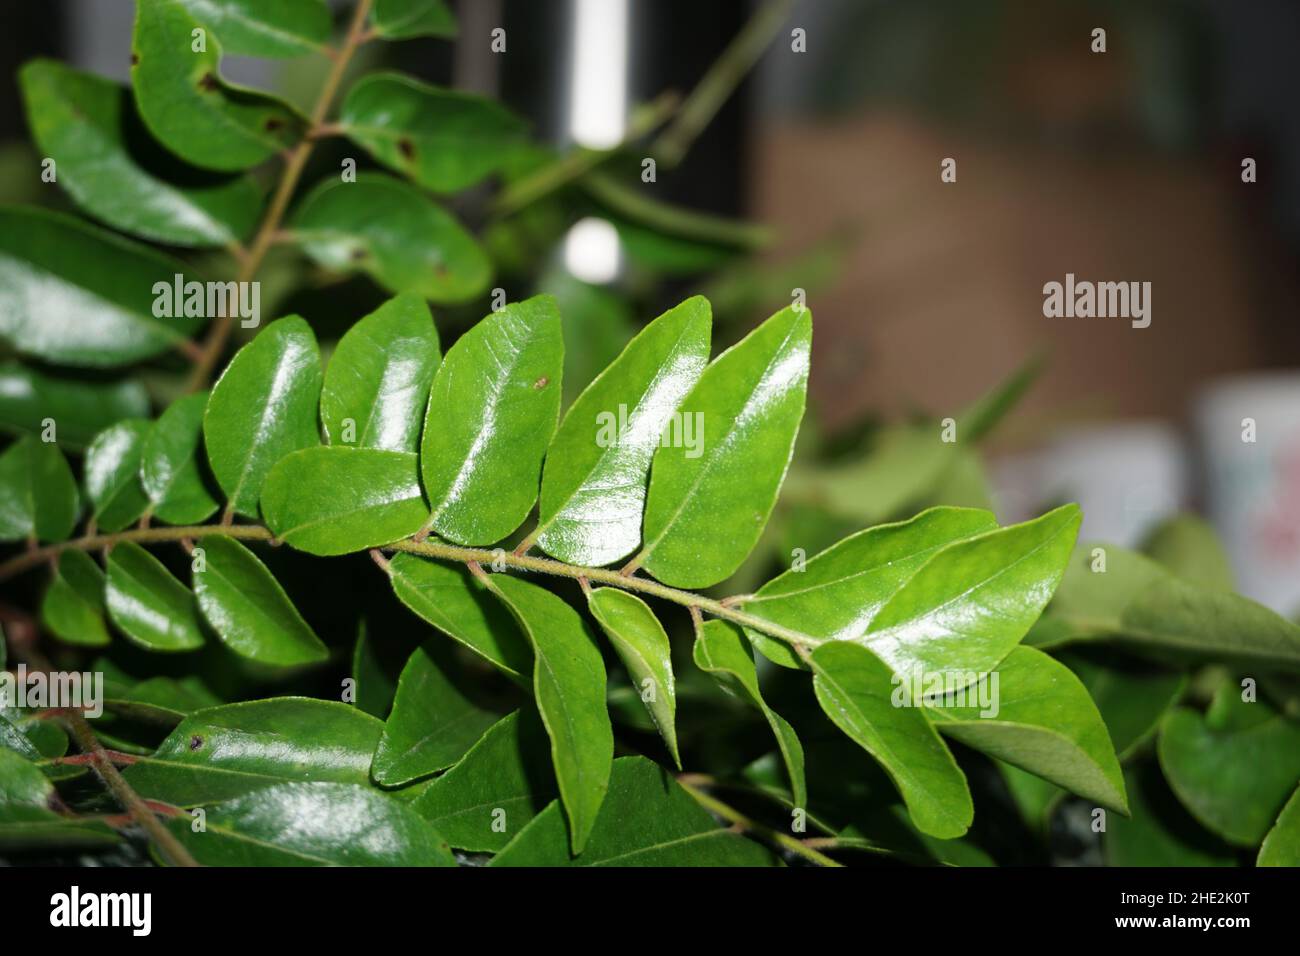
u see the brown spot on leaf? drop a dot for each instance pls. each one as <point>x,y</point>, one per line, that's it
<point>196,742</point>
<point>208,82</point>
<point>135,59</point>
<point>272,124</point>
<point>541,383</point>
<point>358,254</point>
<point>406,148</point>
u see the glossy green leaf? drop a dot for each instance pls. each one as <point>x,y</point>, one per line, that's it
<point>224,752</point>
<point>971,603</point>
<point>313,824</point>
<point>1137,600</point>
<point>401,19</point>
<point>1038,717</point>
<point>262,408</point>
<point>334,500</point>
<point>169,464</point>
<point>395,234</point>
<point>26,820</point>
<point>647,820</point>
<point>377,381</point>
<point>1281,846</point>
<point>112,475</point>
<point>267,28</point>
<point>492,411</point>
<point>73,294</point>
<point>594,482</point>
<point>432,725</point>
<point>147,604</point>
<point>569,685</point>
<point>643,647</point>
<point>13,739</point>
<point>38,495</point>
<point>248,608</point>
<point>452,600</point>
<point>497,787</point>
<point>445,140</point>
<point>856,689</point>
<point>722,649</point>
<point>1234,780</point>
<point>710,498</point>
<point>186,104</point>
<point>106,161</point>
<point>73,607</point>
<point>375,684</point>
<point>31,401</point>
<point>836,594</point>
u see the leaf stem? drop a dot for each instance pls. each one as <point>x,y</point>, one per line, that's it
<point>131,801</point>
<point>432,549</point>
<point>223,325</point>
<point>782,840</point>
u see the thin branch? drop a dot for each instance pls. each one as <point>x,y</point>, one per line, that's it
<point>131,801</point>
<point>296,161</point>
<point>766,833</point>
<point>471,557</point>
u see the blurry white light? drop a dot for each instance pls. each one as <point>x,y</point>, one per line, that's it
<point>598,82</point>
<point>591,251</point>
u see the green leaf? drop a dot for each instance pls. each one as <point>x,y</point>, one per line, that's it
<point>169,464</point>
<point>1159,832</point>
<point>186,104</point>
<point>335,500</point>
<point>279,28</point>
<point>971,603</point>
<point>224,752</point>
<point>31,401</point>
<point>432,724</point>
<point>855,689</point>
<point>643,647</point>
<point>395,234</point>
<point>147,604</point>
<point>983,415</point>
<point>14,740</point>
<point>38,495</point>
<point>452,600</point>
<point>569,684</point>
<point>401,19</point>
<point>594,482</point>
<point>837,593</point>
<point>647,820</point>
<point>73,607</point>
<point>375,683</point>
<point>497,787</point>
<point>443,139</point>
<point>262,408</point>
<point>492,412</point>
<point>1281,846</point>
<point>1189,547</point>
<point>1234,780</point>
<point>710,497</point>
<point>75,295</point>
<point>313,824</point>
<point>722,650</point>
<point>89,127</point>
<point>249,610</point>
<point>377,381</point>
<point>1033,713</point>
<point>26,820</point>
<point>112,474</point>
<point>1130,698</point>
<point>1137,600</point>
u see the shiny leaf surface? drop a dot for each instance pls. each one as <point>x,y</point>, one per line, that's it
<point>112,475</point>
<point>402,19</point>
<point>73,606</point>
<point>169,464</point>
<point>147,604</point>
<point>38,495</point>
<point>269,28</point>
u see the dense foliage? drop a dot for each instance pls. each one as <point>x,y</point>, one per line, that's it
<point>535,598</point>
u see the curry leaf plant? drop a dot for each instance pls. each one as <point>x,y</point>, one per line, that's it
<point>478,571</point>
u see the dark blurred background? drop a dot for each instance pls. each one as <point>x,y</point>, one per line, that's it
<point>1121,166</point>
